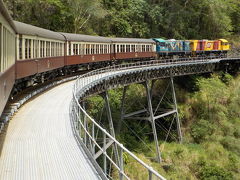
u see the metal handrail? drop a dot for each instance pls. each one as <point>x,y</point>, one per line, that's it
<point>86,79</point>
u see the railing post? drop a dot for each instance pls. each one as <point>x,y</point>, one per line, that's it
<point>121,165</point>
<point>85,125</point>
<point>104,154</point>
<point>149,174</point>
<point>79,123</point>
<point>93,139</point>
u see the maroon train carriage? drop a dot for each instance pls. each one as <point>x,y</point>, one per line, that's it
<point>85,50</point>
<point>133,48</point>
<point>39,51</point>
<point>7,55</point>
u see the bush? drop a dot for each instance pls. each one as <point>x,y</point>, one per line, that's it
<point>212,172</point>
<point>201,130</point>
<point>232,144</point>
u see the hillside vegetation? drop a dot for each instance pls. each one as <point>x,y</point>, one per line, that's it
<point>209,112</point>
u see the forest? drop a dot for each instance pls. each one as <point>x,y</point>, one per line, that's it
<point>208,104</point>
<point>170,19</point>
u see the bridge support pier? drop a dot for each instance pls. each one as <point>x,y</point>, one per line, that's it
<point>110,121</point>
<point>150,113</point>
<point>152,119</point>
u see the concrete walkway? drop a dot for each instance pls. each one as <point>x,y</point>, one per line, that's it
<point>39,143</point>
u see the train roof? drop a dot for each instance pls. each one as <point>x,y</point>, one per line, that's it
<point>159,40</point>
<point>26,29</point>
<point>223,40</point>
<point>89,38</point>
<point>86,38</point>
<point>4,12</point>
<point>131,40</point>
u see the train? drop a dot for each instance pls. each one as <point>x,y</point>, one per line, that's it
<point>30,55</point>
<point>191,48</point>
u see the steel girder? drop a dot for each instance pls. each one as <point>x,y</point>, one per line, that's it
<point>140,75</point>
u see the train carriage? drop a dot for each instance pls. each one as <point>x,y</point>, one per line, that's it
<point>210,47</point>
<point>85,49</point>
<point>133,48</point>
<point>38,51</point>
<point>172,47</point>
<point>7,55</point>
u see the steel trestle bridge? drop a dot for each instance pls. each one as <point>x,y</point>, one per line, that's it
<point>101,80</point>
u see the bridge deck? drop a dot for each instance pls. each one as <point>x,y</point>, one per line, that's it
<point>39,143</point>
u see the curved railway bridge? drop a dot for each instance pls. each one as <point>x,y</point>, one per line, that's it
<point>52,136</point>
<point>101,80</point>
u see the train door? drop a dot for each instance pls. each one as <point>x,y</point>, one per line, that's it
<point>113,52</point>
<point>216,45</point>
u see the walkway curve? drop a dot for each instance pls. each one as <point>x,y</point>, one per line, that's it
<point>39,143</point>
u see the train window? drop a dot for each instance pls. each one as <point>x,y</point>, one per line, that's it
<point>132,48</point>
<point>1,49</point>
<point>61,49</point>
<point>58,49</point>
<point>83,49</point>
<point>118,50</point>
<point>69,49</point>
<point>143,48</point>
<point>122,48</point>
<point>147,48</point>
<point>37,48</point>
<point>101,49</point>
<point>162,44</point>
<point>20,48</point>
<point>52,49</point>
<point>87,48</point>
<point>78,49</point>
<point>47,49</point>
<point>29,48</point>
<point>33,48</point>
<point>127,48</point>
<point>97,48</point>
<point>139,48</point>
<point>104,49</point>
<point>74,49</point>
<point>1,68</point>
<point>41,49</point>
<point>92,49</point>
<point>26,48</point>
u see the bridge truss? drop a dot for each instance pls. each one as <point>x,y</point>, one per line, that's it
<point>145,73</point>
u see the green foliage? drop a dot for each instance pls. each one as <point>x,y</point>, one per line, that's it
<point>232,144</point>
<point>212,172</point>
<point>211,148</point>
<point>133,18</point>
<point>201,130</point>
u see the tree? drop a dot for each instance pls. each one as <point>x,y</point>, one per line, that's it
<point>83,11</point>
